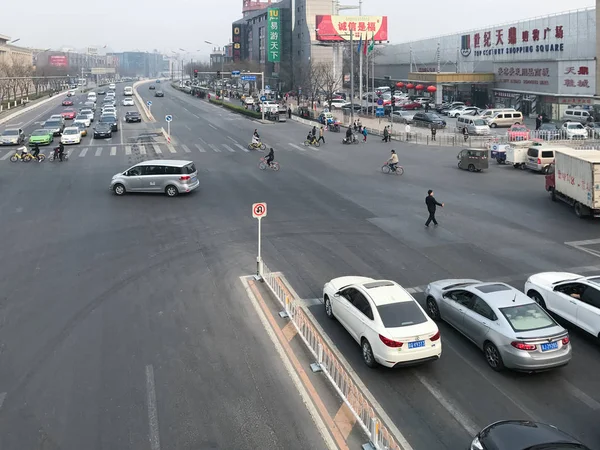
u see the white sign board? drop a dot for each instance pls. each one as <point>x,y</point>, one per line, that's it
<point>259,210</point>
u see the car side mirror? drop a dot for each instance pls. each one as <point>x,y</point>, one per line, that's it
<point>337,294</point>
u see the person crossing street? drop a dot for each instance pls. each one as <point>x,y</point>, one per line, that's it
<point>432,205</point>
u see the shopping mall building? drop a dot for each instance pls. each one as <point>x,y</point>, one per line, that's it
<point>540,65</point>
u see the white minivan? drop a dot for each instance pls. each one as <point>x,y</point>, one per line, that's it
<point>474,125</point>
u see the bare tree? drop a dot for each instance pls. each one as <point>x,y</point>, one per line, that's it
<point>310,76</point>
<point>329,82</point>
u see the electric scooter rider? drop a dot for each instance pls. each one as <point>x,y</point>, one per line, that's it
<point>59,151</point>
<point>348,139</point>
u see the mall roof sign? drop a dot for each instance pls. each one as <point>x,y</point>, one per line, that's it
<point>338,28</point>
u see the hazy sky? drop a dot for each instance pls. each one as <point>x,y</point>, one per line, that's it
<point>174,24</point>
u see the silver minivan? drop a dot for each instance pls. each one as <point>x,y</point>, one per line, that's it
<point>473,125</point>
<point>169,177</point>
<point>576,115</point>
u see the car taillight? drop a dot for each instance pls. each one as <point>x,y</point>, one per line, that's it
<point>390,343</point>
<point>184,177</point>
<point>435,337</point>
<point>566,340</point>
<point>539,161</point>
<point>523,346</point>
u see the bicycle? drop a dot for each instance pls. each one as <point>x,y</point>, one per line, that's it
<point>262,165</point>
<point>23,157</point>
<point>314,142</point>
<point>29,157</point>
<point>260,146</point>
<point>386,168</point>
<point>56,158</point>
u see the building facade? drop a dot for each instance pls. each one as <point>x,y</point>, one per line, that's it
<point>540,65</point>
<point>10,54</point>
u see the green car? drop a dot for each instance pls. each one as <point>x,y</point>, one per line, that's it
<point>41,137</point>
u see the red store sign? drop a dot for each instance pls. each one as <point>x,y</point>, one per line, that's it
<point>582,83</point>
<point>516,75</point>
<point>512,37</point>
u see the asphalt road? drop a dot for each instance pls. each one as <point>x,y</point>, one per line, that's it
<point>123,324</point>
<point>101,291</point>
<point>332,213</point>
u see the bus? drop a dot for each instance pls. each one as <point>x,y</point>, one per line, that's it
<point>128,91</point>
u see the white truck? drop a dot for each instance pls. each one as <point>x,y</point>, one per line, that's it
<point>574,178</point>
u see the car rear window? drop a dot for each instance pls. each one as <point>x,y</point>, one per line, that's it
<point>548,154</point>
<point>190,168</point>
<point>401,314</point>
<point>528,317</point>
<point>533,152</point>
<point>171,170</point>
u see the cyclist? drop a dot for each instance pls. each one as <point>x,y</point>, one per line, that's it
<point>59,151</point>
<point>255,139</point>
<point>35,151</point>
<point>311,137</point>
<point>270,157</point>
<point>23,151</point>
<point>393,161</point>
<point>349,135</point>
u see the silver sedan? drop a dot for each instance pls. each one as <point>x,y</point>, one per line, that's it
<point>512,330</point>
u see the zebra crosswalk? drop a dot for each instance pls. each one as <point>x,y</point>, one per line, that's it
<point>163,149</point>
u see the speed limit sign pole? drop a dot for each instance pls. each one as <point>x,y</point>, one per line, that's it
<point>259,210</point>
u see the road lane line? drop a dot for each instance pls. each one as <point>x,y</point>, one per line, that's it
<point>418,289</point>
<point>228,148</point>
<point>202,140</point>
<point>410,290</point>
<point>297,147</point>
<point>196,116</point>
<point>241,147</point>
<point>187,127</point>
<point>113,151</point>
<point>214,147</point>
<point>142,149</point>
<point>156,148</point>
<point>171,148</point>
<point>128,149</point>
<point>98,151</point>
<point>2,397</point>
<point>185,148</point>
<point>152,410</point>
<point>458,415</point>
<point>580,395</point>
<point>289,331</point>
<point>199,148</point>
<point>232,139</point>
<point>310,398</point>
<point>83,152</point>
<point>5,157</point>
<point>345,420</point>
<point>212,126</point>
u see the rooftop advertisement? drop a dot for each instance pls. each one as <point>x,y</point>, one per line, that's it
<point>339,28</point>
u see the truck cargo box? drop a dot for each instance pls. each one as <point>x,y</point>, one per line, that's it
<point>577,175</point>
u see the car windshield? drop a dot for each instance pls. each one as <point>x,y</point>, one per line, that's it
<point>401,314</point>
<point>528,317</point>
<point>40,133</point>
<point>52,123</point>
<point>10,133</point>
<point>577,126</point>
<point>433,116</point>
<point>548,126</point>
<point>519,129</point>
<point>71,131</point>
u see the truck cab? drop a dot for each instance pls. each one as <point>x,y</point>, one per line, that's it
<point>550,179</point>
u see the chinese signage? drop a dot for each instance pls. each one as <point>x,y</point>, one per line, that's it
<point>58,60</point>
<point>273,36</point>
<point>339,28</point>
<point>427,69</point>
<point>577,77</point>
<point>236,42</point>
<point>92,51</point>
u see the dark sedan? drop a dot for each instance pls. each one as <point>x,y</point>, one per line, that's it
<point>101,92</point>
<point>159,94</point>
<point>524,435</point>
<point>132,116</point>
<point>111,120</point>
<point>151,87</point>
<point>102,131</point>
<point>549,131</point>
<point>593,130</point>
<point>429,120</point>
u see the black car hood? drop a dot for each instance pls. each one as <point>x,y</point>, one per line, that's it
<point>522,434</point>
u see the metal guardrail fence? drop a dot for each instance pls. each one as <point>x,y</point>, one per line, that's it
<point>379,434</point>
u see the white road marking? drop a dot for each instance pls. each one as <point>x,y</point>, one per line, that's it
<point>83,152</point>
<point>142,149</point>
<point>171,148</point>
<point>312,301</point>
<point>461,418</point>
<point>113,151</point>
<point>2,397</point>
<point>156,148</point>
<point>199,148</point>
<point>214,147</point>
<point>297,147</point>
<point>410,290</point>
<point>232,139</point>
<point>187,127</point>
<point>5,157</point>
<point>98,151</point>
<point>418,289</point>
<point>185,148</point>
<point>228,148</point>
<point>128,150</point>
<point>582,396</point>
<point>196,116</point>
<point>212,126</point>
<point>202,140</point>
<point>241,147</point>
<point>152,410</point>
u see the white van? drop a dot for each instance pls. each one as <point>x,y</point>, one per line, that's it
<point>474,125</point>
<point>489,113</point>
<point>576,115</point>
<point>505,119</point>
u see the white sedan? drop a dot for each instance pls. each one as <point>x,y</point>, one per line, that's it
<point>71,135</point>
<point>83,119</point>
<point>128,101</point>
<point>570,296</point>
<point>455,112</point>
<point>388,323</point>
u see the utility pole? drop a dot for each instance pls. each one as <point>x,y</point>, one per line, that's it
<point>351,77</point>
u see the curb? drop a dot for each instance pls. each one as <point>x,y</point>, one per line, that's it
<point>30,108</point>
<point>138,97</point>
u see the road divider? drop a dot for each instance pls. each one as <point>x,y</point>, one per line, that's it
<point>141,104</point>
<point>382,433</point>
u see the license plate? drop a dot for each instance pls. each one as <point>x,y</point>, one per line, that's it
<point>416,344</point>
<point>194,179</point>
<point>550,346</point>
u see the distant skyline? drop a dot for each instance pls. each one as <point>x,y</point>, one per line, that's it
<point>181,24</point>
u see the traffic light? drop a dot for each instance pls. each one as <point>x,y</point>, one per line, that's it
<point>218,74</point>
<point>393,92</point>
<point>195,73</point>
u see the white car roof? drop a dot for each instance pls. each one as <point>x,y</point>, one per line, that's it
<point>384,292</point>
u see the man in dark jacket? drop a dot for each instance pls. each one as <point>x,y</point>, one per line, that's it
<point>432,204</point>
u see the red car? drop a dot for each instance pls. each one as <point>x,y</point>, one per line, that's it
<point>69,114</point>
<point>412,106</point>
<point>67,102</point>
<point>518,133</point>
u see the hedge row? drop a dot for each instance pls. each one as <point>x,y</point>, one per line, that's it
<point>237,109</point>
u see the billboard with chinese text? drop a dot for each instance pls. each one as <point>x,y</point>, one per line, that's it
<point>236,42</point>
<point>338,28</point>
<point>273,35</point>
<point>58,60</point>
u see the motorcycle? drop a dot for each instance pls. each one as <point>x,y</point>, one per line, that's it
<point>55,157</point>
<point>351,140</point>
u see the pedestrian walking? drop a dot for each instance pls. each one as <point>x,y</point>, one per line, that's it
<point>314,132</point>
<point>538,122</point>
<point>466,134</point>
<point>433,132</point>
<point>321,135</point>
<point>432,205</point>
<point>386,134</point>
<point>364,133</point>
<point>426,107</point>
<point>289,112</point>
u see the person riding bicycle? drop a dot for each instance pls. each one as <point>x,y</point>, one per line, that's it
<point>255,139</point>
<point>393,161</point>
<point>23,151</point>
<point>35,151</point>
<point>349,134</point>
<point>270,157</point>
<point>59,151</point>
<point>311,137</point>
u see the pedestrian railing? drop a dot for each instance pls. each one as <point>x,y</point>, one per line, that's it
<point>379,433</point>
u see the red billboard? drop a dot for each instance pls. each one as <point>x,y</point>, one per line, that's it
<point>338,28</point>
<point>58,60</point>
